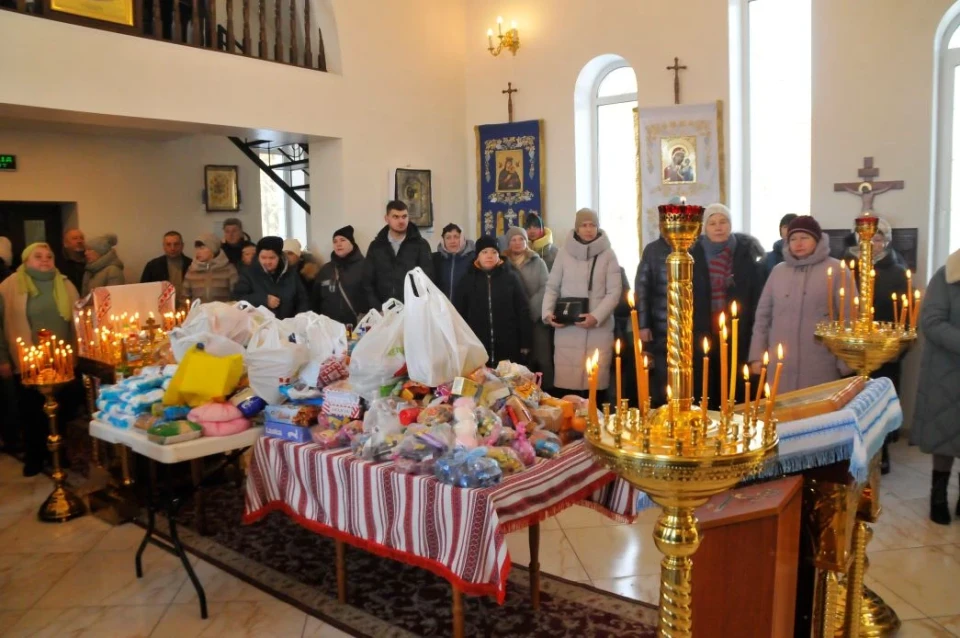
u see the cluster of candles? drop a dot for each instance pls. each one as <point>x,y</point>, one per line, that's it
<point>906,308</point>
<point>106,343</point>
<point>50,361</point>
<point>728,372</point>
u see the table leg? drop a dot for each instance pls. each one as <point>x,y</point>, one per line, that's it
<point>151,522</point>
<point>196,474</point>
<point>457,612</point>
<point>534,538</point>
<point>341,572</point>
<point>175,540</point>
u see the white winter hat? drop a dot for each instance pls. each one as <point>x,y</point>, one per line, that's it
<point>292,246</point>
<point>716,209</point>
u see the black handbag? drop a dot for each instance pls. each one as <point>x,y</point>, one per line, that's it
<point>567,311</point>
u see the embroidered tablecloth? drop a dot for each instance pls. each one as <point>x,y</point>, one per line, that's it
<point>456,533</point>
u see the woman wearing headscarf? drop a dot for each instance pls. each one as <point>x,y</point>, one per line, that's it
<point>453,258</point>
<point>586,268</point>
<point>793,302</point>
<point>6,258</point>
<point>936,428</point>
<point>891,279</point>
<point>104,267</point>
<point>533,274</point>
<point>728,267</point>
<point>270,282</point>
<point>338,288</point>
<point>37,297</point>
<point>211,276</point>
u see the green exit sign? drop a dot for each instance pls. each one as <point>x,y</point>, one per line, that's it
<point>8,162</point>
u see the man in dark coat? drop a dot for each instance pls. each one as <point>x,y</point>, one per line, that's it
<point>172,266</point>
<point>269,281</point>
<point>650,288</point>
<point>396,250</point>
<point>338,288</point>
<point>72,263</point>
<point>492,300</point>
<point>234,239</point>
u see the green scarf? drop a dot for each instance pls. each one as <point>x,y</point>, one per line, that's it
<point>25,282</point>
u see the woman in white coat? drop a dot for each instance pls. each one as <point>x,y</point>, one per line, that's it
<point>586,267</point>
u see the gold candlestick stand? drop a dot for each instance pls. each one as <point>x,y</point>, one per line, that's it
<point>844,605</point>
<point>62,505</point>
<point>674,454</point>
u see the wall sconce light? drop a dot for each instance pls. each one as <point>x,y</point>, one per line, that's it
<point>509,40</point>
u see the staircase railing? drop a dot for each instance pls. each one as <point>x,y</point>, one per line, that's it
<point>283,23</point>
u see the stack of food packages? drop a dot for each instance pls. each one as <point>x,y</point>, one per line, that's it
<point>467,432</point>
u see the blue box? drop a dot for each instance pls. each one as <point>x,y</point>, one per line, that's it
<point>287,432</point>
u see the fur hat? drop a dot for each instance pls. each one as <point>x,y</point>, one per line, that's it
<point>487,242</point>
<point>586,215</point>
<point>805,224</point>
<point>292,246</point>
<point>102,244</point>
<point>209,240</point>
<point>271,242</point>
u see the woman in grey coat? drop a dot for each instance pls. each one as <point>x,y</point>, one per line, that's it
<point>936,428</point>
<point>104,267</point>
<point>587,250</point>
<point>793,301</point>
<point>533,273</point>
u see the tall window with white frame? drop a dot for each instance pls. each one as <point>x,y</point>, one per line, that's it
<point>948,169</point>
<point>780,125</point>
<point>616,163</point>
<point>279,214</point>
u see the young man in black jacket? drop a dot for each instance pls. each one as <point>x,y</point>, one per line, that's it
<point>396,250</point>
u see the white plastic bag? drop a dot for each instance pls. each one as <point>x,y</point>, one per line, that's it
<point>379,356</point>
<point>273,360</point>
<point>439,343</point>
<point>323,337</point>
<point>372,318</point>
<point>216,325</point>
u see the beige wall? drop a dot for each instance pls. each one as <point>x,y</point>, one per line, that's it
<point>137,189</point>
<point>559,37</point>
<point>399,101</point>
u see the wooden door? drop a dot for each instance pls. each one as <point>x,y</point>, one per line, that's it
<point>27,222</point>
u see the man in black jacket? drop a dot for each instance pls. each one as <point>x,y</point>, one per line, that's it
<point>650,288</point>
<point>396,250</point>
<point>171,266</point>
<point>72,263</point>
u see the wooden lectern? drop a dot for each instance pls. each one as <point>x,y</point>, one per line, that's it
<point>745,579</point>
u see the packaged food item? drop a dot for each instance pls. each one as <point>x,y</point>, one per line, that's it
<point>408,415</point>
<point>110,393</point>
<point>549,417</point>
<point>142,383</point>
<point>174,432</point>
<point>493,391</point>
<point>418,451</point>
<point>375,446</point>
<point>302,415</point>
<point>300,392</point>
<point>332,370</point>
<point>174,412</point>
<point>325,438</point>
<point>384,416</point>
<point>146,421</point>
<point>545,443</point>
<point>288,431</point>
<point>506,458</point>
<point>339,399</point>
<point>523,448</point>
<point>157,410</point>
<point>488,426</point>
<point>468,468</point>
<point>123,421</point>
<point>520,414</point>
<point>465,387</point>
<point>441,413</point>
<point>248,402</point>
<point>219,419</point>
<point>528,392</point>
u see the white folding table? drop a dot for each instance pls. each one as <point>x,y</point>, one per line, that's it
<point>193,450</point>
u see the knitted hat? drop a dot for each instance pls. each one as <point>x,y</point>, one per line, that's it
<point>487,242</point>
<point>805,224</point>
<point>586,215</point>
<point>209,240</point>
<point>292,246</point>
<point>272,243</point>
<point>533,219</point>
<point>716,209</point>
<point>347,233</point>
<point>6,251</point>
<point>102,244</point>
<point>513,231</point>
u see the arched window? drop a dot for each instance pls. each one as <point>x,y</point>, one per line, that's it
<point>945,237</point>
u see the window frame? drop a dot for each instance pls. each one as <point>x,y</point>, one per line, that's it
<point>942,228</point>
<point>595,104</point>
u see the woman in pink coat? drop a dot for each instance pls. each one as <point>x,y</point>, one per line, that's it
<point>793,302</point>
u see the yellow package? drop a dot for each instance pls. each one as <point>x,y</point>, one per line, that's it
<point>202,378</point>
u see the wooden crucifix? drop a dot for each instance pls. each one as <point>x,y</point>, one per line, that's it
<point>676,68</point>
<point>867,189</point>
<point>510,91</point>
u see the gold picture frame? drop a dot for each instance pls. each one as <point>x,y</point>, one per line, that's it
<point>221,188</point>
<point>115,15</point>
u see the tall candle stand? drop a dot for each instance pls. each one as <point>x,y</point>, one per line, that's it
<point>680,454</point>
<point>865,345</point>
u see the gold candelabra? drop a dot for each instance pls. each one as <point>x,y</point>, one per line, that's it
<point>680,454</point>
<point>50,369</point>
<point>509,40</point>
<point>863,344</point>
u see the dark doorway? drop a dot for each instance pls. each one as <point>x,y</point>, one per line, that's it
<point>26,222</point>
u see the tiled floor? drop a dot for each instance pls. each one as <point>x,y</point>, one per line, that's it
<point>77,579</point>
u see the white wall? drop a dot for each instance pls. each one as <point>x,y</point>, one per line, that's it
<point>399,101</point>
<point>137,189</point>
<point>557,39</point>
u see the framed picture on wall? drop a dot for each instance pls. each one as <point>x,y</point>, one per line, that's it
<point>414,188</point>
<point>114,15</point>
<point>221,188</point>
